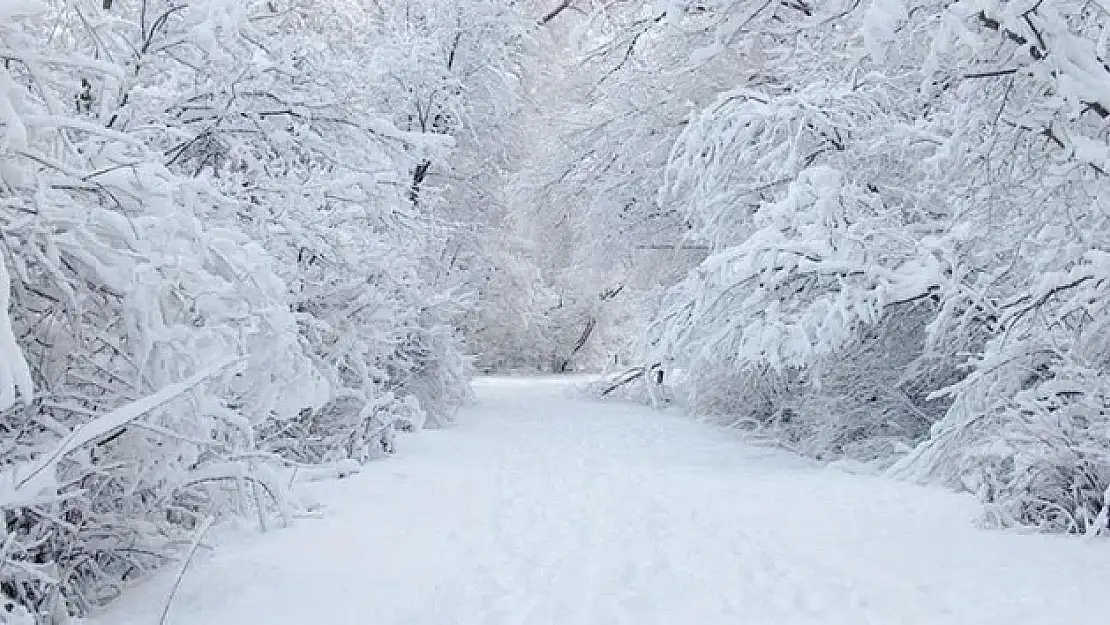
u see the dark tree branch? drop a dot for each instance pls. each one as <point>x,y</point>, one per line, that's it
<point>997,72</point>
<point>552,14</point>
<point>418,176</point>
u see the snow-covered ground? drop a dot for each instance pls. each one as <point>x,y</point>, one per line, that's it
<point>541,508</point>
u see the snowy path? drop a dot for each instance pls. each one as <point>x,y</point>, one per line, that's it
<point>541,509</point>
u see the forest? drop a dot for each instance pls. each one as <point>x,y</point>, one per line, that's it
<point>246,240</point>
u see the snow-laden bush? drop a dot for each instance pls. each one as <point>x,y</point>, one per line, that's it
<point>904,208</point>
<point>817,302</point>
<point>1028,430</point>
<point>1026,129</point>
<point>121,290</point>
<point>210,268</point>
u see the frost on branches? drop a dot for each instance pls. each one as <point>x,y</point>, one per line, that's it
<point>210,270</point>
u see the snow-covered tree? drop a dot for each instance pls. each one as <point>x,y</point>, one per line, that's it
<point>890,189</point>
<point>212,267</point>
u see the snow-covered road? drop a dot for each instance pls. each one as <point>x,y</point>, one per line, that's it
<point>539,508</point>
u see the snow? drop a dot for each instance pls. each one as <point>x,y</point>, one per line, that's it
<point>539,507</point>
<point>13,8</point>
<point>15,376</point>
<point>880,26</point>
<point>23,486</point>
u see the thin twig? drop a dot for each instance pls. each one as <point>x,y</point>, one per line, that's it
<point>201,531</point>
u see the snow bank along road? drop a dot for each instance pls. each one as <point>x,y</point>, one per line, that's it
<point>540,508</point>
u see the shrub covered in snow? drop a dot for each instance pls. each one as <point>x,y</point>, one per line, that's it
<point>212,265</point>
<point>903,205</point>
